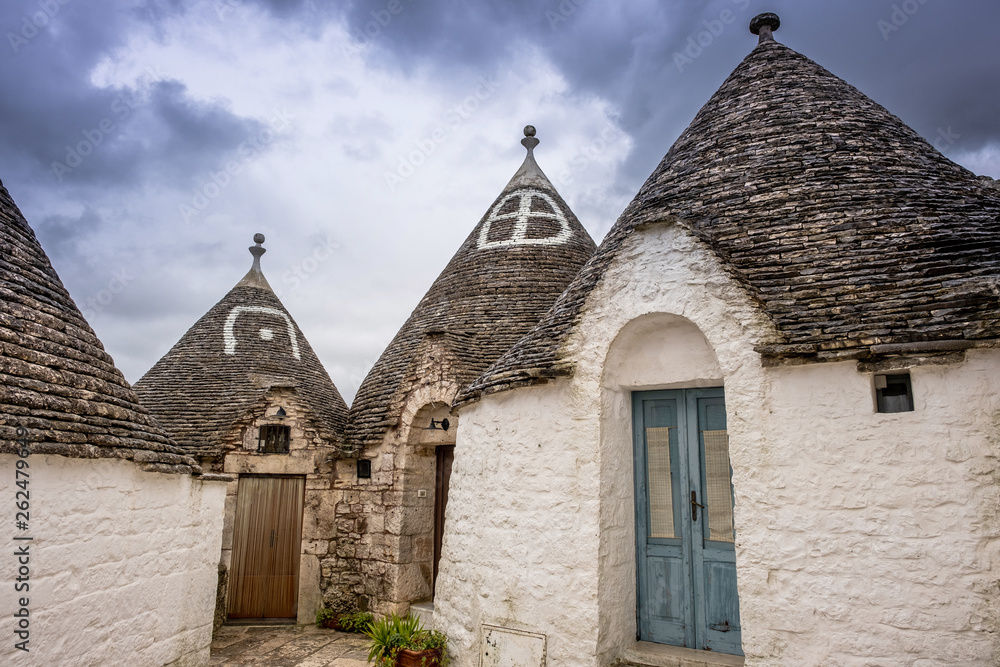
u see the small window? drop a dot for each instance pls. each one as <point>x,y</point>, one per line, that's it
<point>364,469</point>
<point>274,439</point>
<point>893,393</point>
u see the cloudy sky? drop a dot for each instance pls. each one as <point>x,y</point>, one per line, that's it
<point>147,140</point>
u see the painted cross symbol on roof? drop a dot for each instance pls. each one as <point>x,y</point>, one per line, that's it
<point>522,216</point>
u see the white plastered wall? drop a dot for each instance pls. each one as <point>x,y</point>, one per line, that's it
<point>520,544</point>
<point>861,538</point>
<point>876,535</point>
<point>123,564</point>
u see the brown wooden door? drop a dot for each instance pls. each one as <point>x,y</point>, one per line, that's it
<point>267,536</point>
<point>445,457</point>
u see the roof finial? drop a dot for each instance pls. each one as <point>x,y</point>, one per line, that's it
<point>529,140</point>
<point>257,251</point>
<point>764,25</point>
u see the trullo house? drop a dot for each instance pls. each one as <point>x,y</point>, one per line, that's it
<point>514,264</point>
<point>116,535</point>
<point>244,392</point>
<point>761,421</point>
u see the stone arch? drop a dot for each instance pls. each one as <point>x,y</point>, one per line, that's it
<point>420,435</point>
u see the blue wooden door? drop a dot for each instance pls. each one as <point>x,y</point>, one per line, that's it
<point>684,521</point>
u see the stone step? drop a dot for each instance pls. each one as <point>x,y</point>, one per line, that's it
<point>647,654</point>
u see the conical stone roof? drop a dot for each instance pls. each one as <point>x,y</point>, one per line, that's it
<point>852,232</point>
<point>226,362</point>
<point>508,272</point>
<point>56,381</point>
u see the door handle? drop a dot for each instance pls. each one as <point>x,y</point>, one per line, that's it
<point>695,505</point>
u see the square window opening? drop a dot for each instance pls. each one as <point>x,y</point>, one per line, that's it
<point>364,469</point>
<point>274,439</point>
<point>893,393</point>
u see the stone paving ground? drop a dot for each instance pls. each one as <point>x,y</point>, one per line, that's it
<point>288,646</point>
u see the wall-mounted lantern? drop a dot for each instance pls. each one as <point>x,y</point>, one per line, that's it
<point>438,425</point>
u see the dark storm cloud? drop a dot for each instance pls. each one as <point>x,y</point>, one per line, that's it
<point>61,126</point>
<point>156,133</point>
<point>933,63</point>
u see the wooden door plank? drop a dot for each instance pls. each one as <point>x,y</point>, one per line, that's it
<point>267,536</point>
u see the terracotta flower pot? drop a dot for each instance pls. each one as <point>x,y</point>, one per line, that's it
<point>408,658</point>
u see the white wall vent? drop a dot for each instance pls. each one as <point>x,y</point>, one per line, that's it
<point>503,647</point>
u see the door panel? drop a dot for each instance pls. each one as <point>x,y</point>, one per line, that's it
<point>722,611</point>
<point>267,542</point>
<point>717,584</point>
<point>664,598</point>
<point>684,521</point>
<point>665,575</point>
<point>445,457</point>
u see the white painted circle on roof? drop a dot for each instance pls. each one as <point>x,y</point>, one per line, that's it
<point>523,217</point>
<point>266,334</point>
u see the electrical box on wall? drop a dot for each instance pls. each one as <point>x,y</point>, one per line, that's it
<point>504,647</point>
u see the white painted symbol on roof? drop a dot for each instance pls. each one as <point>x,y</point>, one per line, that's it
<point>266,334</point>
<point>522,216</point>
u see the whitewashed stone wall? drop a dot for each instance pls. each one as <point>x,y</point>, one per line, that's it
<point>877,534</point>
<point>521,542</point>
<point>123,564</point>
<point>862,538</point>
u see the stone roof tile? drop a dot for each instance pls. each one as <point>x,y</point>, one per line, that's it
<point>845,225</point>
<point>225,363</point>
<point>57,382</point>
<point>517,260</point>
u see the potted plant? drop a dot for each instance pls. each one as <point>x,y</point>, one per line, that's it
<point>403,642</point>
<point>345,622</point>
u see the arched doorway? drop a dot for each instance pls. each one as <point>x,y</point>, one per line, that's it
<point>431,442</point>
<point>662,371</point>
